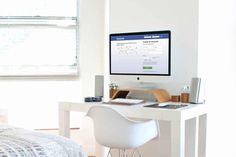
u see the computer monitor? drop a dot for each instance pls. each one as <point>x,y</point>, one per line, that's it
<point>140,56</point>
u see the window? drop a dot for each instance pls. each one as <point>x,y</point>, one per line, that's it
<point>38,37</point>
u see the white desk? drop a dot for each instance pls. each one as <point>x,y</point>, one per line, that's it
<point>177,118</point>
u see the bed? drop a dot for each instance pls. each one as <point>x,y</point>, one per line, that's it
<point>18,142</point>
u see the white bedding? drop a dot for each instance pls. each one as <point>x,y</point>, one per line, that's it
<point>17,142</point>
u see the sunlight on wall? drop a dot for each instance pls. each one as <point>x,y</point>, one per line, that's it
<point>34,104</point>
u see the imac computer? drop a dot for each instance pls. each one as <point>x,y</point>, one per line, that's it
<point>140,56</point>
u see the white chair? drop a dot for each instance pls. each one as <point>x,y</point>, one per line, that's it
<point>113,130</point>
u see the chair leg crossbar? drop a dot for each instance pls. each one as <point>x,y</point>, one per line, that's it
<point>122,153</point>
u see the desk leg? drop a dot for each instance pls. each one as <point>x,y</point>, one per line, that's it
<point>196,145</point>
<point>202,135</point>
<point>64,123</point>
<point>178,139</point>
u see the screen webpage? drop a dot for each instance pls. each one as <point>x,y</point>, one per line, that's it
<point>140,54</point>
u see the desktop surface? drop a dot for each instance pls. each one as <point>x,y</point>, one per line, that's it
<point>167,105</point>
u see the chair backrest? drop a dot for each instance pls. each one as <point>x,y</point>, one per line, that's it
<point>113,130</point>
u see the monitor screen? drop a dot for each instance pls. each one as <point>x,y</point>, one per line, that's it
<point>140,53</point>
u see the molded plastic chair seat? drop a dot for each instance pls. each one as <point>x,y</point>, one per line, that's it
<point>114,130</point>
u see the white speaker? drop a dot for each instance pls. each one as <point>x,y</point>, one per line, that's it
<point>197,91</point>
<point>99,83</point>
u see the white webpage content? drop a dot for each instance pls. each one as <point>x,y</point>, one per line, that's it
<point>144,54</point>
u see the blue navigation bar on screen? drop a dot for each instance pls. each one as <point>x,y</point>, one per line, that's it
<point>139,37</point>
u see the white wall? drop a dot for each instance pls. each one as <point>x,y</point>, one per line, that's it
<point>217,62</point>
<point>92,27</point>
<point>181,17</point>
<point>32,102</point>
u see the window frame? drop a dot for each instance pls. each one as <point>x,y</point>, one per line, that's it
<point>45,21</point>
